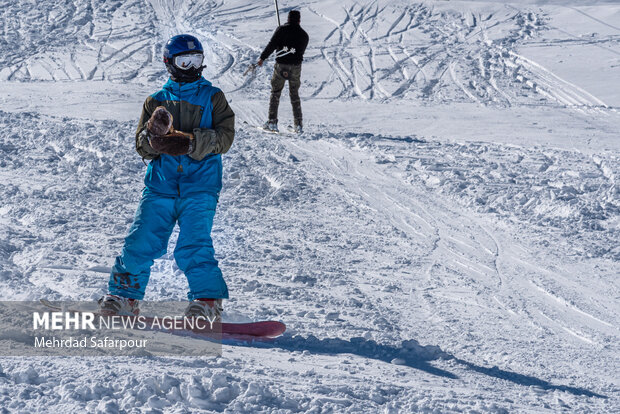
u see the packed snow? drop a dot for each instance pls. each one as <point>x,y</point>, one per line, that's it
<point>444,237</point>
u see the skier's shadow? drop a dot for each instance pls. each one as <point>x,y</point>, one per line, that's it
<point>413,355</point>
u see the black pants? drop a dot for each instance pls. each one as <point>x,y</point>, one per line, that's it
<point>281,74</point>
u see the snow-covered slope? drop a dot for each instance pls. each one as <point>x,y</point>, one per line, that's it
<point>443,238</point>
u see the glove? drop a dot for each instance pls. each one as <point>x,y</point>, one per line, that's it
<point>175,143</point>
<point>160,123</point>
<point>164,138</point>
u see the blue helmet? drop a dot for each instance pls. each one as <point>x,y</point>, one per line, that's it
<point>179,45</point>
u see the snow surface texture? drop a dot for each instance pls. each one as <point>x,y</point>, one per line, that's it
<point>445,237</point>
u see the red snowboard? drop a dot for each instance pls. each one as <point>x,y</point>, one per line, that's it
<point>235,331</point>
<point>267,329</point>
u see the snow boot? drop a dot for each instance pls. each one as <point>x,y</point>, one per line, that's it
<point>210,309</point>
<point>111,305</point>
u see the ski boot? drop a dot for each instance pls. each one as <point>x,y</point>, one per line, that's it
<point>112,305</point>
<point>297,129</point>
<point>271,125</point>
<point>210,309</point>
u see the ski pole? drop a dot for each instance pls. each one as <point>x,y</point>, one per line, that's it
<point>250,69</point>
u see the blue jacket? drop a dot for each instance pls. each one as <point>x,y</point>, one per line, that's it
<point>196,107</point>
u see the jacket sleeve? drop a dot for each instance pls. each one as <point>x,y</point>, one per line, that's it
<point>142,142</point>
<point>219,139</point>
<point>303,44</point>
<point>272,45</point>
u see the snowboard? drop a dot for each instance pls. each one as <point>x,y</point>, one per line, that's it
<point>248,331</point>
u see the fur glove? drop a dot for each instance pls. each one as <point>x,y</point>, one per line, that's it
<point>164,138</point>
<point>160,122</point>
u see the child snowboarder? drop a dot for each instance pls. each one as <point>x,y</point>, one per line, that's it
<point>183,130</point>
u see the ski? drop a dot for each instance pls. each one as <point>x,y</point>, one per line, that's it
<point>271,131</point>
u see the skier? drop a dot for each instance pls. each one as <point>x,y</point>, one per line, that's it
<point>285,39</point>
<point>183,130</point>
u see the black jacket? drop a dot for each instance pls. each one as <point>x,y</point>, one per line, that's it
<point>292,36</point>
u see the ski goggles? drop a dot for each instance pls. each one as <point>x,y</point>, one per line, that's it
<point>185,62</point>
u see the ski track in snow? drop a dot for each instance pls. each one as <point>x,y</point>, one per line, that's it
<point>414,275</point>
<point>373,51</point>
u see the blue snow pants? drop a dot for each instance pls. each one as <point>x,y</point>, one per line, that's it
<point>148,240</point>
